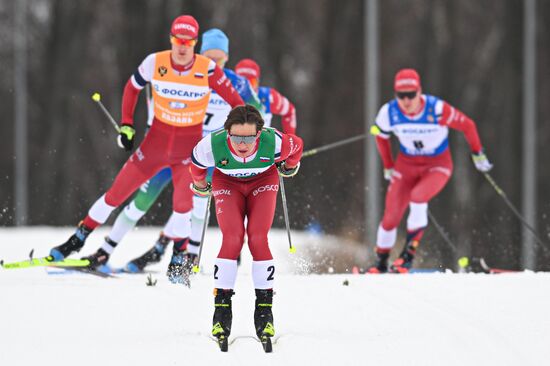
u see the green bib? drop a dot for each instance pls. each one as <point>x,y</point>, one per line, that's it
<point>265,156</point>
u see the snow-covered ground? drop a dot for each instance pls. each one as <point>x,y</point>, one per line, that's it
<point>422,319</point>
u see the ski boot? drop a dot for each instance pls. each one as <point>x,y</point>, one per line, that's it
<point>181,264</point>
<point>223,316</point>
<point>153,255</point>
<point>404,263</point>
<point>74,244</point>
<point>381,264</point>
<point>263,318</point>
<point>99,259</point>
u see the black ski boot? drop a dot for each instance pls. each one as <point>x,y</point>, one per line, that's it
<point>223,316</point>
<point>381,264</point>
<point>405,261</point>
<point>153,255</point>
<point>263,317</point>
<point>74,244</point>
<point>101,257</point>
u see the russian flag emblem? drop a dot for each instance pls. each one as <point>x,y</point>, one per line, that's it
<point>198,75</point>
<point>263,159</point>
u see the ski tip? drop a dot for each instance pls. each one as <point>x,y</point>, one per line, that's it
<point>266,344</point>
<point>1,262</point>
<point>31,254</point>
<point>292,250</point>
<point>223,342</point>
<point>196,269</point>
<point>96,97</point>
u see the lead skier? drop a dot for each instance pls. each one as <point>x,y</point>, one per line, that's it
<point>423,166</point>
<point>244,184</point>
<point>181,83</point>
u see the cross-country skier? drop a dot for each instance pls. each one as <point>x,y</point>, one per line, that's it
<point>244,184</point>
<point>181,83</point>
<point>215,46</point>
<point>274,102</point>
<point>423,165</point>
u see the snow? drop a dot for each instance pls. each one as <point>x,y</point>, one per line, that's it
<point>422,319</point>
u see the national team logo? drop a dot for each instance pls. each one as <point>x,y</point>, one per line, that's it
<point>223,162</point>
<point>430,118</point>
<point>162,70</point>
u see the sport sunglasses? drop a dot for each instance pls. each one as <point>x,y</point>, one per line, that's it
<point>237,139</point>
<point>183,42</point>
<point>408,95</point>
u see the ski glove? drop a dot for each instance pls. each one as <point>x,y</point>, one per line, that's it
<point>287,173</point>
<point>202,192</point>
<point>481,162</point>
<point>126,137</point>
<point>388,173</point>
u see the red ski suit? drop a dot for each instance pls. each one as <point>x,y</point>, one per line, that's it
<point>254,198</point>
<point>418,179</point>
<point>168,144</point>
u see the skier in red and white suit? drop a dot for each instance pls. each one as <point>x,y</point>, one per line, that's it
<point>423,165</point>
<point>245,184</point>
<point>274,102</point>
<point>181,83</point>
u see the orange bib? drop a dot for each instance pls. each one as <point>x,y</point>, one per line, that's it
<point>180,100</point>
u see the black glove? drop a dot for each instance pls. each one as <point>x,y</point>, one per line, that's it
<point>126,137</point>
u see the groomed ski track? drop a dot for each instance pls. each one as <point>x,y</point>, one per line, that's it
<point>423,319</point>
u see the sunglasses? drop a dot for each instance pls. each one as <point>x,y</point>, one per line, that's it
<point>237,139</point>
<point>183,42</point>
<point>408,95</point>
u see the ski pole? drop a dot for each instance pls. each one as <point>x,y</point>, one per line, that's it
<point>196,267</point>
<point>333,145</point>
<point>441,232</point>
<point>97,98</point>
<point>514,209</point>
<point>285,211</point>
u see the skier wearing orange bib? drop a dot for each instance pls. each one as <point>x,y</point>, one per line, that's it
<point>181,82</point>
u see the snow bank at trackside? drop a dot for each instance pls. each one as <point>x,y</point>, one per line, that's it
<point>431,319</point>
